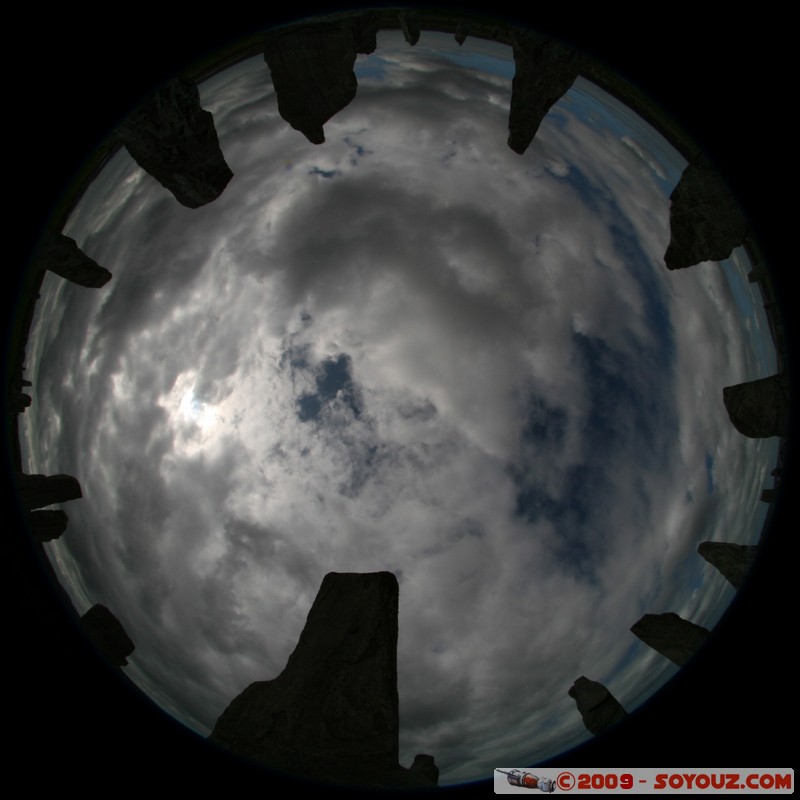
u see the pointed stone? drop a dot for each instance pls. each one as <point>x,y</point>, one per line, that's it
<point>312,69</point>
<point>671,635</point>
<point>732,560</point>
<point>48,525</point>
<point>759,408</point>
<point>705,220</point>
<point>174,139</point>
<point>61,255</point>
<point>599,709</point>
<point>461,31</point>
<point>37,491</point>
<point>332,714</point>
<point>410,25</point>
<point>545,70</point>
<point>107,635</point>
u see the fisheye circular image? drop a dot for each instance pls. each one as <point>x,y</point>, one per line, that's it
<point>367,399</point>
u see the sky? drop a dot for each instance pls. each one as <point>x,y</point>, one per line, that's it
<point>407,348</point>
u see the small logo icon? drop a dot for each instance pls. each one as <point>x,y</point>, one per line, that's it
<point>527,780</point>
<point>565,781</point>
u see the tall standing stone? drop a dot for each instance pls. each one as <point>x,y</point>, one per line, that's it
<point>312,69</point>
<point>107,634</point>
<point>37,491</point>
<point>48,525</point>
<point>705,220</point>
<point>759,408</point>
<point>174,139</point>
<point>673,637</point>
<point>410,25</point>
<point>332,714</point>
<point>734,561</point>
<point>61,255</point>
<point>545,70</point>
<point>599,709</point>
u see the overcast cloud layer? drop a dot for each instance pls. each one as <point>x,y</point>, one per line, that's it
<point>409,349</point>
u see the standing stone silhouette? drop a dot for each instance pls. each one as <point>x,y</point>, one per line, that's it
<point>37,491</point>
<point>545,70</point>
<point>174,139</point>
<point>107,634</point>
<point>47,525</point>
<point>759,408</point>
<point>598,707</point>
<point>732,560</point>
<point>332,714</point>
<point>60,254</point>
<point>312,69</point>
<point>673,637</point>
<point>705,220</point>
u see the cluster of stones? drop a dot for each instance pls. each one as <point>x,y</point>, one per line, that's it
<point>332,714</point>
<point>705,225</point>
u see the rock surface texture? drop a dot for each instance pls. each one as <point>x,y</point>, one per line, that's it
<point>312,69</point>
<point>732,560</point>
<point>61,255</point>
<point>598,707</point>
<point>705,220</point>
<point>673,637</point>
<point>37,491</point>
<point>107,634</point>
<point>545,70</point>
<point>174,139</point>
<point>332,714</point>
<point>759,408</point>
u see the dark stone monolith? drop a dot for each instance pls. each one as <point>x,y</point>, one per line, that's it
<point>61,255</point>
<point>673,637</point>
<point>332,714</point>
<point>759,408</point>
<point>410,25</point>
<point>18,402</point>
<point>312,69</point>
<point>545,70</point>
<point>37,491</point>
<point>425,766</point>
<point>732,560</point>
<point>48,525</point>
<point>705,220</point>
<point>598,707</point>
<point>174,139</point>
<point>107,635</point>
<point>461,31</point>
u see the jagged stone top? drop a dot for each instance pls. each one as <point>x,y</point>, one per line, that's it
<point>174,139</point>
<point>705,220</point>
<point>332,714</point>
